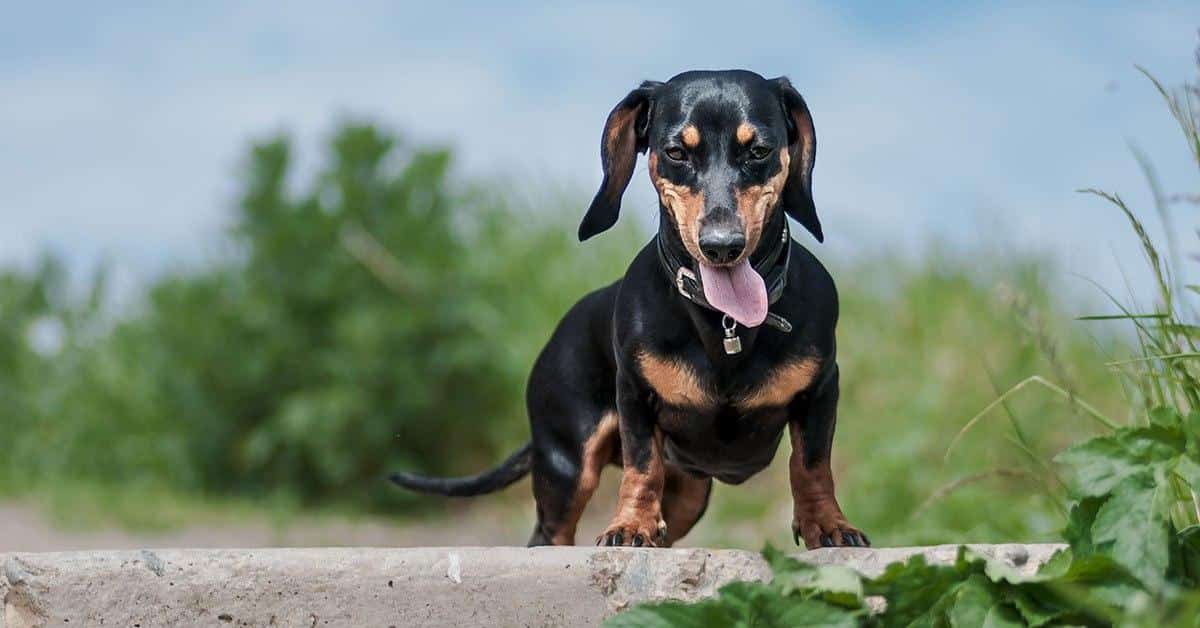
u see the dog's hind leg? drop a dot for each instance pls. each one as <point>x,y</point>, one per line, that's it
<point>685,498</point>
<point>563,482</point>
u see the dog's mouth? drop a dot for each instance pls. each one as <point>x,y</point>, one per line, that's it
<point>737,290</point>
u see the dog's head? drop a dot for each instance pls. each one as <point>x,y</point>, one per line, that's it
<point>726,151</point>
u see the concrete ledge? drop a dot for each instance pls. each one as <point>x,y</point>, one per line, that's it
<point>467,586</point>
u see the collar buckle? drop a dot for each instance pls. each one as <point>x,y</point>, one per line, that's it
<point>684,273</point>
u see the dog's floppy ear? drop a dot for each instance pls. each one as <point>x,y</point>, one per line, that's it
<point>797,198</point>
<point>625,135</point>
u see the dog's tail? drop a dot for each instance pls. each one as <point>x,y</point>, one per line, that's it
<point>490,481</point>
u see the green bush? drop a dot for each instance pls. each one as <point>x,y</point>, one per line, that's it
<point>382,318</point>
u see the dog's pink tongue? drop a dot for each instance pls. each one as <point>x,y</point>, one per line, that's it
<point>739,292</point>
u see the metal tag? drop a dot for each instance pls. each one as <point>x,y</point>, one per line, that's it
<point>733,344</point>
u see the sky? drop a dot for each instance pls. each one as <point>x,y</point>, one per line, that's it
<point>122,126</point>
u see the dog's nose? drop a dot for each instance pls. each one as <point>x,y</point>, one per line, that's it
<point>721,246</point>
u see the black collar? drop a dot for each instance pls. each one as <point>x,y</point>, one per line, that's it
<point>773,268</point>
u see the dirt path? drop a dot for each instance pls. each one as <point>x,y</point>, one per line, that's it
<point>499,520</point>
<point>26,527</point>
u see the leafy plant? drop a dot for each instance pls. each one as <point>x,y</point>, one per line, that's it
<point>973,591</point>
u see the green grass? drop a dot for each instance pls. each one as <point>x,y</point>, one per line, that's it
<point>79,506</point>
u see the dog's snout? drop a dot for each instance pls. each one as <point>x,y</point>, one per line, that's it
<point>722,245</point>
<point>721,237</point>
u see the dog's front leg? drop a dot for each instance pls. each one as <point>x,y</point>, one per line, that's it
<point>817,517</point>
<point>638,521</point>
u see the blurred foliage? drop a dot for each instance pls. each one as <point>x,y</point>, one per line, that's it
<point>384,313</point>
<point>383,317</point>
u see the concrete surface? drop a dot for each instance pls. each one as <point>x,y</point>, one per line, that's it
<point>500,586</point>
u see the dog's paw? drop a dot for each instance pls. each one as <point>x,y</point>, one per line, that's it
<point>635,532</point>
<point>827,529</point>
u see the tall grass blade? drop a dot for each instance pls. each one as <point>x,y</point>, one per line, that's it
<point>1018,387</point>
<point>1117,317</point>
<point>950,488</point>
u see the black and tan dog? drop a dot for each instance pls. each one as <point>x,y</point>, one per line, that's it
<point>720,334</point>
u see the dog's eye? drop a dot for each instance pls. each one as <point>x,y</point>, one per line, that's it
<point>760,152</point>
<point>674,153</point>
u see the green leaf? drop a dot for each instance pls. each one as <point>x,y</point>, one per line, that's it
<point>1115,317</point>
<point>835,584</point>
<point>1189,470</point>
<point>1193,433</point>
<point>1078,532</point>
<point>1094,467</point>
<point>1156,357</point>
<point>706,614</point>
<point>1058,563</point>
<point>916,591</point>
<point>1102,577</point>
<point>1024,592</point>
<point>1000,571</point>
<point>1033,609</point>
<point>1180,328</point>
<point>1189,554</point>
<point>817,614</point>
<point>1075,588</point>
<point>1135,525</point>
<point>738,604</point>
<point>973,600</point>
<point>1002,616</point>
<point>1166,417</point>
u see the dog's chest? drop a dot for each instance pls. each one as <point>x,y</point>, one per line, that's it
<point>678,386</point>
<point>728,430</point>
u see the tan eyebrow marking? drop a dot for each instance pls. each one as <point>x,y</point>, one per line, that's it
<point>745,133</point>
<point>691,136</point>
